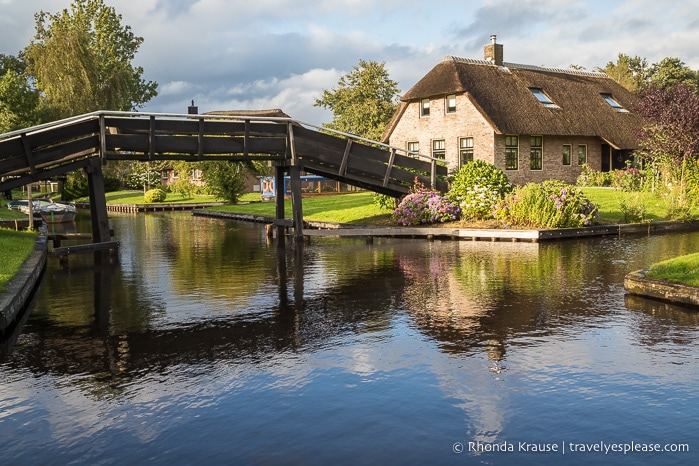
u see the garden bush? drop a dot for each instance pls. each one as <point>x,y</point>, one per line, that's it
<point>477,187</point>
<point>425,207</point>
<point>591,177</point>
<point>155,195</point>
<point>384,201</point>
<point>550,204</point>
<point>629,179</point>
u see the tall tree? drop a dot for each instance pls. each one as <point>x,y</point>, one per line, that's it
<point>81,60</point>
<point>671,72</point>
<point>631,72</point>
<point>19,102</point>
<point>363,102</point>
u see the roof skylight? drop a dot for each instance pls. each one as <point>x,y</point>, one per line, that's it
<point>542,97</point>
<point>613,103</point>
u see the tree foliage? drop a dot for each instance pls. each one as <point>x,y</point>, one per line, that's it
<point>19,101</point>
<point>671,121</point>
<point>671,72</point>
<point>631,72</point>
<point>636,75</point>
<point>669,141</point>
<point>225,180</point>
<point>363,102</point>
<point>81,61</point>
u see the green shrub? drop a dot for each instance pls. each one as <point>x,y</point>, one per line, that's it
<point>155,195</point>
<point>629,179</point>
<point>75,186</point>
<point>550,204</point>
<point>590,177</point>
<point>477,187</point>
<point>184,188</point>
<point>111,184</point>
<point>384,201</point>
<point>633,209</point>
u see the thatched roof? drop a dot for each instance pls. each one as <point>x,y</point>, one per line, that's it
<point>274,112</point>
<point>503,95</point>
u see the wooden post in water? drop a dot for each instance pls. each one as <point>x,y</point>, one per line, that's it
<point>279,200</point>
<point>295,175</point>
<point>295,181</point>
<point>98,201</point>
<point>30,206</point>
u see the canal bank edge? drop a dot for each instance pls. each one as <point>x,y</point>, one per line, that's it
<point>20,288</point>
<point>637,283</point>
<point>315,228</point>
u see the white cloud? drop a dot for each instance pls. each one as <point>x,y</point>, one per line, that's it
<point>283,53</point>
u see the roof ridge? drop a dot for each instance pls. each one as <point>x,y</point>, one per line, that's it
<point>475,61</point>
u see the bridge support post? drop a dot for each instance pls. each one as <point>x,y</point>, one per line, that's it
<point>98,201</point>
<point>295,175</point>
<point>279,207</point>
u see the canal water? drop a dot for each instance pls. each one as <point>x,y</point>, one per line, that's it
<point>203,343</point>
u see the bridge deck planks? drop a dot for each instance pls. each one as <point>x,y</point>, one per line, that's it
<point>194,138</point>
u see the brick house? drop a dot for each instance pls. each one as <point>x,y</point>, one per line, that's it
<point>534,123</point>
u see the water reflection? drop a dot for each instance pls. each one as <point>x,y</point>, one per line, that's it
<point>417,342</point>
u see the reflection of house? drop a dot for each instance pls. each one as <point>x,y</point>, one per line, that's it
<point>535,123</point>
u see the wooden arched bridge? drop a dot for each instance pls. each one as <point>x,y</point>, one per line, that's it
<point>88,141</point>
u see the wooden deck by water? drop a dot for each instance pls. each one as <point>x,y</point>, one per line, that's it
<point>312,229</point>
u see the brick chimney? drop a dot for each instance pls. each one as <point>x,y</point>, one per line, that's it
<point>493,52</point>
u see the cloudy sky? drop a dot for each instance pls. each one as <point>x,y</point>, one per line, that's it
<point>260,54</point>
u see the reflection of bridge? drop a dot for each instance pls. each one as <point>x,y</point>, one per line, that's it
<point>87,141</point>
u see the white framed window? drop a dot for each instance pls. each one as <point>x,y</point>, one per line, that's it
<point>438,149</point>
<point>511,152</point>
<point>582,154</point>
<point>465,150</point>
<point>425,107</point>
<point>566,154</point>
<point>536,153</point>
<point>413,147</point>
<point>450,103</point>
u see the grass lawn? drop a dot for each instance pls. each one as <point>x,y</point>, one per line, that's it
<point>343,208</point>
<point>15,247</point>
<point>608,200</point>
<point>683,270</point>
<point>359,208</point>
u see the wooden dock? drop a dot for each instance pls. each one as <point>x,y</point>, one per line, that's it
<point>154,207</point>
<point>313,228</point>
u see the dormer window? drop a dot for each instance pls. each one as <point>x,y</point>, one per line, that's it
<point>542,97</point>
<point>613,103</point>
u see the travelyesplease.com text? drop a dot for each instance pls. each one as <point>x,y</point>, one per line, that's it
<point>567,447</point>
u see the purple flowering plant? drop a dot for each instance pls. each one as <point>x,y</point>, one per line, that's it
<point>424,207</point>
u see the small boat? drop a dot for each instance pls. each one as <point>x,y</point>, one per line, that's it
<point>36,207</point>
<point>58,213</point>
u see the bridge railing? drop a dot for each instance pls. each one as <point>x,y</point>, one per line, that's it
<point>35,143</point>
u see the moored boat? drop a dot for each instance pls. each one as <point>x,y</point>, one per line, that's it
<point>58,213</point>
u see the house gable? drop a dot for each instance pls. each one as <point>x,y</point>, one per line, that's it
<point>505,95</point>
<point>496,99</point>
